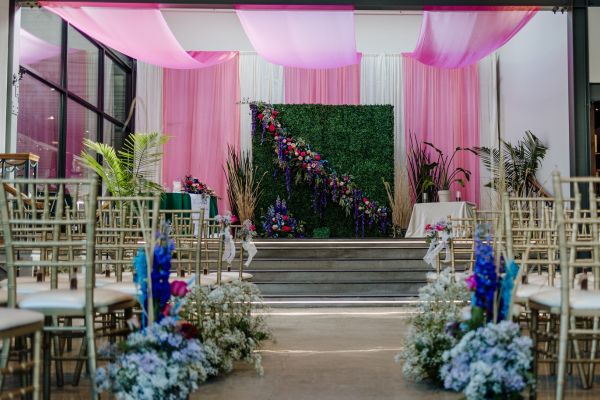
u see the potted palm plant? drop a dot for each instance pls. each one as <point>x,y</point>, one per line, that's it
<point>445,174</point>
<point>420,171</point>
<point>521,162</point>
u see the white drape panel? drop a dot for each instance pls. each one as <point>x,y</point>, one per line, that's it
<point>488,125</point>
<point>149,104</point>
<point>381,83</point>
<point>259,81</point>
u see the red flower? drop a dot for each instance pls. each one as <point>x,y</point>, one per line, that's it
<point>285,217</point>
<point>260,116</point>
<point>179,288</point>
<point>428,227</point>
<point>304,165</point>
<point>274,113</point>
<point>234,219</point>
<point>303,153</point>
<point>365,199</point>
<point>290,147</point>
<point>167,310</point>
<point>286,228</point>
<point>317,157</point>
<point>252,227</point>
<point>188,330</point>
<point>271,128</point>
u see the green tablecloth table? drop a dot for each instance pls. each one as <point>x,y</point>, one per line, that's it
<point>182,201</point>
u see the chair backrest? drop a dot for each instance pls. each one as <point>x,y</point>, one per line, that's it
<point>187,229</point>
<point>124,225</point>
<point>53,229</point>
<point>578,233</point>
<point>530,230</point>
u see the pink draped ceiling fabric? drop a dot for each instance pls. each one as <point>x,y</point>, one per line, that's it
<point>202,117</point>
<point>322,86</point>
<point>454,37</point>
<point>301,36</point>
<point>139,31</point>
<point>441,106</point>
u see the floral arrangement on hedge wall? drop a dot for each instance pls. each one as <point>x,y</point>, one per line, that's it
<point>195,186</point>
<point>277,223</point>
<point>300,162</point>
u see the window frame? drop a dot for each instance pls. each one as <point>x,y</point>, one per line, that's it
<point>65,94</point>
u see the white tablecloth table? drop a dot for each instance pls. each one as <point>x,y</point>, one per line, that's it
<point>430,213</point>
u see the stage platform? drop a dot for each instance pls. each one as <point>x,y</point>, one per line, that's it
<point>340,271</point>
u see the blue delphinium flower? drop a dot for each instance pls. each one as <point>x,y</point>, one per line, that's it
<point>486,278</point>
<point>161,269</point>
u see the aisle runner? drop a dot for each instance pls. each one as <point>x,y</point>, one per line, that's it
<point>199,202</point>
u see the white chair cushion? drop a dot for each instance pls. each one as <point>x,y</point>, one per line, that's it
<point>236,275</point>
<point>224,278</point>
<point>525,291</point>
<point>13,318</point>
<point>580,300</point>
<point>123,287</point>
<point>72,299</point>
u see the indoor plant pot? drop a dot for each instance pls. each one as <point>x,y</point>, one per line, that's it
<point>443,195</point>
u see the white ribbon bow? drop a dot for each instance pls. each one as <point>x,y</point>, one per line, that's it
<point>229,246</point>
<point>250,247</point>
<point>436,247</point>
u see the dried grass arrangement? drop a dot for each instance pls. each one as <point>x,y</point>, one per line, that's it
<point>243,184</point>
<point>400,201</point>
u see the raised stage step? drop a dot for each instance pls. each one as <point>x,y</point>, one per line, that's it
<point>305,269</point>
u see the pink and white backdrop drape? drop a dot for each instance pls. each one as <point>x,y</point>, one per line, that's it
<point>442,106</point>
<point>201,115</point>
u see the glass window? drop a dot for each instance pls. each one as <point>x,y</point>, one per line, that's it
<point>38,124</point>
<point>40,43</point>
<point>115,90</point>
<point>82,67</point>
<point>81,123</point>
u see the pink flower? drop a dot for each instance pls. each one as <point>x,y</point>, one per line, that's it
<point>234,219</point>
<point>317,157</point>
<point>271,128</point>
<point>286,228</point>
<point>471,283</point>
<point>274,113</point>
<point>303,153</point>
<point>439,228</point>
<point>285,217</point>
<point>179,288</point>
<point>428,227</point>
<point>252,227</point>
<point>260,116</point>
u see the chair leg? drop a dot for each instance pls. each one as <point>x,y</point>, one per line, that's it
<point>533,333</point>
<point>4,356</point>
<point>563,344</point>
<point>37,348</point>
<point>47,365</point>
<point>593,350</point>
<point>91,350</point>
<point>577,354</point>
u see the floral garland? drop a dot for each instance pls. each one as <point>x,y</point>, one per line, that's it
<point>194,186</point>
<point>296,156</point>
<point>433,232</point>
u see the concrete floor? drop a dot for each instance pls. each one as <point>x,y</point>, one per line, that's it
<point>327,354</point>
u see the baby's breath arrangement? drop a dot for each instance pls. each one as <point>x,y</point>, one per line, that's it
<point>441,303</point>
<point>226,324</point>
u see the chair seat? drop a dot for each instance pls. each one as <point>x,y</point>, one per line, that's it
<point>224,278</point>
<point>526,290</point>
<point>72,300</point>
<point>236,275</point>
<point>11,318</point>
<point>123,287</point>
<point>582,302</point>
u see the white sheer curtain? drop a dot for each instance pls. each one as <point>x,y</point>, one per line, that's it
<point>149,104</point>
<point>381,83</point>
<point>259,81</point>
<point>488,124</point>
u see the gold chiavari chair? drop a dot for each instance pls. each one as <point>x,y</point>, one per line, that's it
<point>123,226</point>
<point>239,274</point>
<point>576,312</point>
<point>212,251</point>
<point>462,244</point>
<point>186,230</point>
<point>81,304</point>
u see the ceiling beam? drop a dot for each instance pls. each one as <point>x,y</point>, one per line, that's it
<point>359,4</point>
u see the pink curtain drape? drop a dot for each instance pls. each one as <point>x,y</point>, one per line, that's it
<point>322,86</point>
<point>301,36</point>
<point>441,106</point>
<point>139,31</point>
<point>454,37</point>
<point>202,117</point>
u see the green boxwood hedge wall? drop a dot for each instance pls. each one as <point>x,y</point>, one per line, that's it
<point>356,140</point>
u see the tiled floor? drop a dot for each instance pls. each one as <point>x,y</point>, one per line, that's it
<point>326,354</point>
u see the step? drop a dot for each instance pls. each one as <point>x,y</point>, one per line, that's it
<point>403,305</point>
<point>329,263</point>
<point>404,288</point>
<point>333,275</point>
